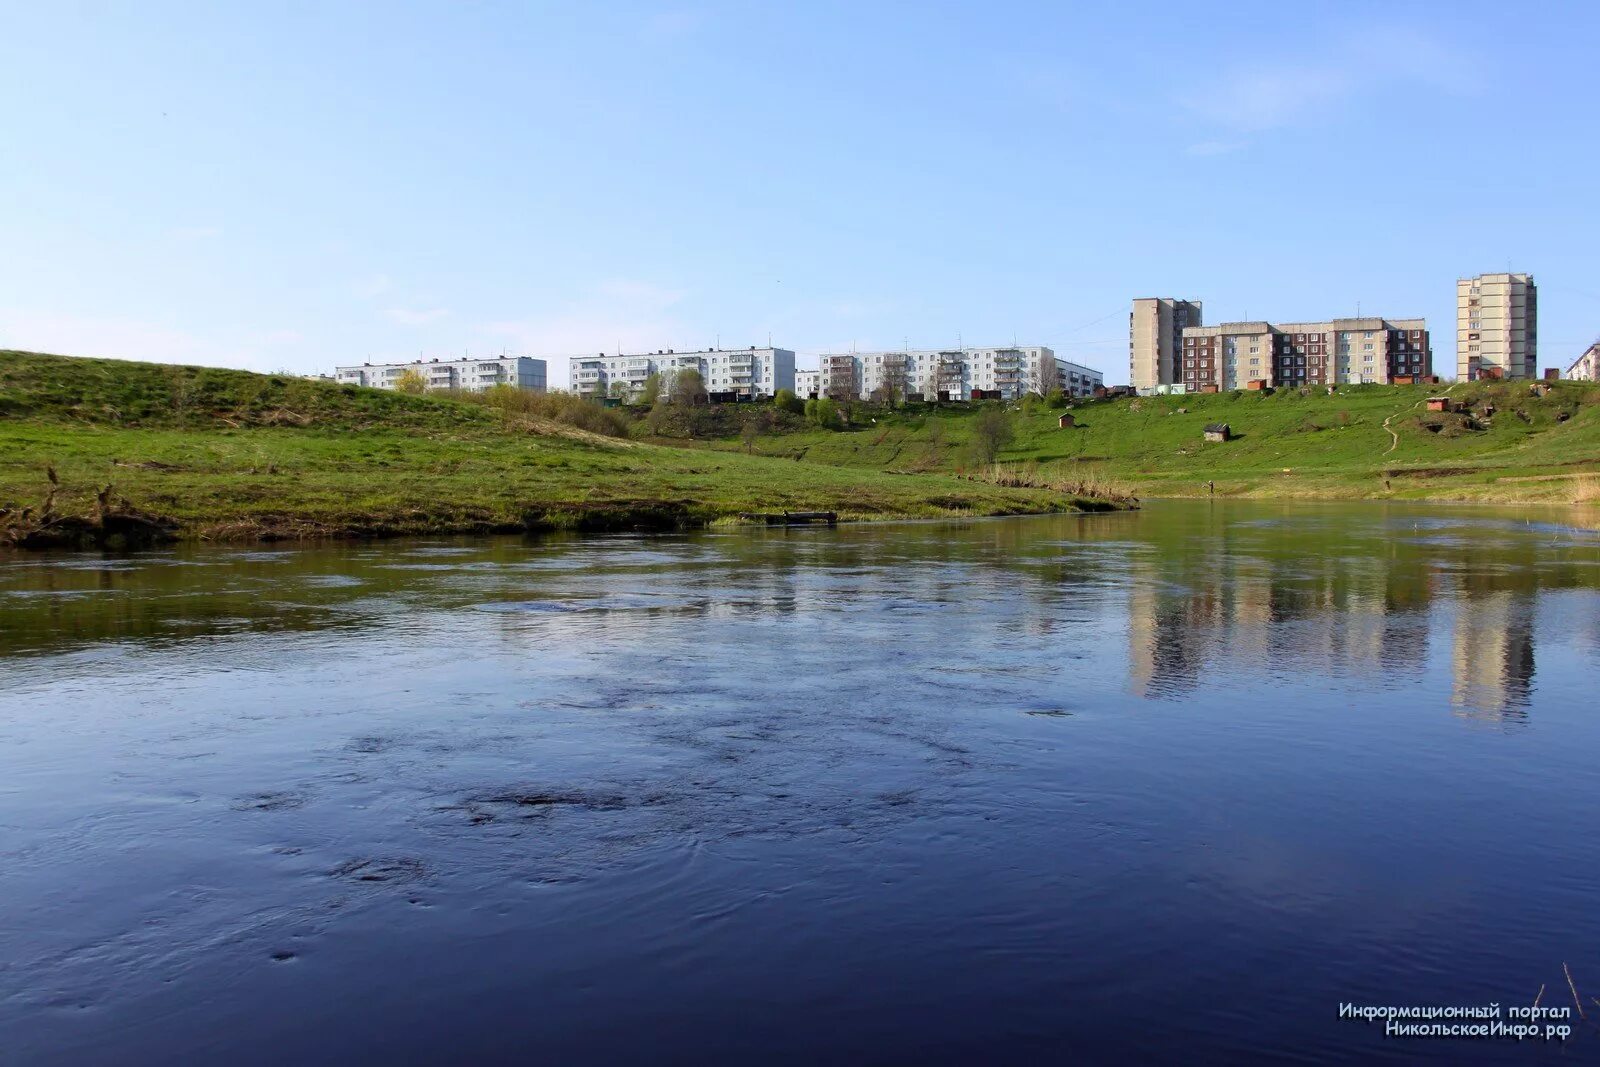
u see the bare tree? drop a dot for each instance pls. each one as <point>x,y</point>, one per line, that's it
<point>688,388</point>
<point>991,433</point>
<point>891,388</point>
<point>1049,375</point>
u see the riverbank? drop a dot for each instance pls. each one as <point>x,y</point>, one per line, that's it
<point>232,456</point>
<point>1506,443</point>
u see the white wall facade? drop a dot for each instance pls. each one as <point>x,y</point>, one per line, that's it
<point>747,372</point>
<point>523,372</point>
<point>1586,368</point>
<point>1497,330</point>
<point>1013,371</point>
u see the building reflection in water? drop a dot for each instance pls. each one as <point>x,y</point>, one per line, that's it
<point>1240,599</point>
<point>1492,657</point>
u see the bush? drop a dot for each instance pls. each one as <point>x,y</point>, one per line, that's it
<point>785,400</point>
<point>825,413</point>
<point>567,408</point>
<point>991,433</point>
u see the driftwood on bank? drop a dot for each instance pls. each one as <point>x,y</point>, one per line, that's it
<point>114,523</point>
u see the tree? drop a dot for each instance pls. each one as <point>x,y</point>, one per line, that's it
<point>748,434</point>
<point>411,381</point>
<point>651,391</point>
<point>688,388</point>
<point>183,389</point>
<point>891,388</point>
<point>619,389</point>
<point>991,433</point>
<point>785,400</point>
<point>825,414</point>
<point>1049,375</point>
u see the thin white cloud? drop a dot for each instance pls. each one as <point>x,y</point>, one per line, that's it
<point>636,294</point>
<point>416,316</point>
<point>1256,94</point>
<point>617,312</point>
<point>671,25</point>
<point>1213,148</point>
<point>373,286</point>
<point>114,337</point>
<point>1247,98</point>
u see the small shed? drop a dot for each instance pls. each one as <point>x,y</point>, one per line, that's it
<point>1066,421</point>
<point>1218,431</point>
<point>1440,403</point>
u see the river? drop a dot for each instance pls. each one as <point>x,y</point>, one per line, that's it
<point>1121,788</point>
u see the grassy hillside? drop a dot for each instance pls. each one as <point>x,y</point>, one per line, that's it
<point>1287,444</point>
<point>229,454</point>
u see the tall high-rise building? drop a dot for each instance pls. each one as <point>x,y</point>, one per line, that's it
<point>1155,337</point>
<point>1497,332</point>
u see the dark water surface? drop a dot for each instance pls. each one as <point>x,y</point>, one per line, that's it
<point>1156,787</point>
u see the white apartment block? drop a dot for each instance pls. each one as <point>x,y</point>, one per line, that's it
<point>953,374</point>
<point>1497,334</point>
<point>805,383</point>
<point>1155,336</point>
<point>1587,366</point>
<point>1252,355</point>
<point>466,373</point>
<point>744,372</point>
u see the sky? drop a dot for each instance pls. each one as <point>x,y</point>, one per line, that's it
<point>291,186</point>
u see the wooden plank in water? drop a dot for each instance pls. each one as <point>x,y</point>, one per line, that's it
<point>793,518</point>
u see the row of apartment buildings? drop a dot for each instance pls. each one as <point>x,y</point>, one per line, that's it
<point>523,372</point>
<point>740,372</point>
<point>1170,347</point>
<point>1006,373</point>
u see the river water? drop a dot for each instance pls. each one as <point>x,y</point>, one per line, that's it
<point>1130,788</point>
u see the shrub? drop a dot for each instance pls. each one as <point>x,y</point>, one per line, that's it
<point>825,414</point>
<point>566,408</point>
<point>785,400</point>
<point>991,433</point>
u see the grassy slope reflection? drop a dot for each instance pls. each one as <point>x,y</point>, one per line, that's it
<point>1316,589</point>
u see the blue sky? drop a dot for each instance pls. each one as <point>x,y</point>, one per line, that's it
<point>297,185</point>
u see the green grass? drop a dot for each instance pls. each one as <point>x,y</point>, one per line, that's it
<point>1287,445</point>
<point>232,455</point>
